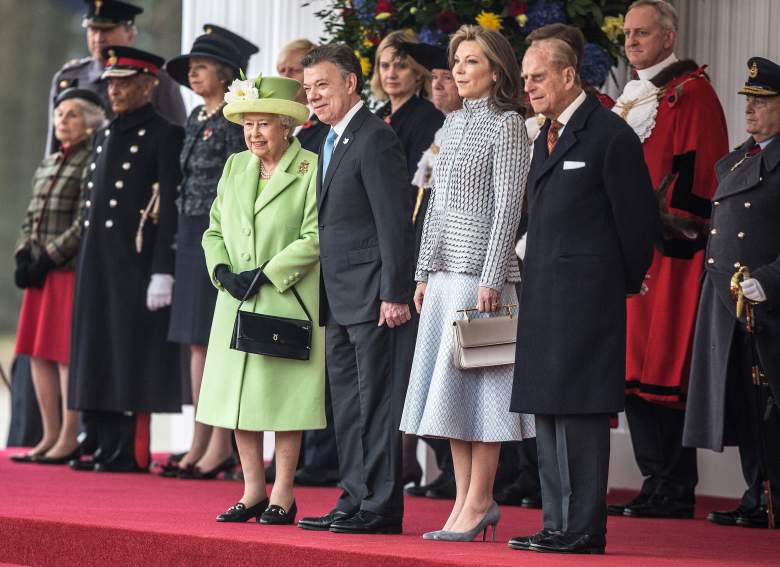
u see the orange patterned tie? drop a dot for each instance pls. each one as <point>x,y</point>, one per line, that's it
<point>552,136</point>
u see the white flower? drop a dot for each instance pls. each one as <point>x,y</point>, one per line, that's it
<point>241,90</point>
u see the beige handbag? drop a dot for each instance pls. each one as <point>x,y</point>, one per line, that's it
<point>484,342</point>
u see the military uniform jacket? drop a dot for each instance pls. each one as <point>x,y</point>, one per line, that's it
<point>120,360</point>
<point>85,73</point>
<point>744,232</point>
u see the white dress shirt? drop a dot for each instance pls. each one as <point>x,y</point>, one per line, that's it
<point>566,115</point>
<point>650,72</point>
<point>342,124</point>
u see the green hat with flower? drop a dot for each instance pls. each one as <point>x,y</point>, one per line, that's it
<point>269,95</point>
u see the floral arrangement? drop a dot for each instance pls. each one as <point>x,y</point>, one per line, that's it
<point>363,24</point>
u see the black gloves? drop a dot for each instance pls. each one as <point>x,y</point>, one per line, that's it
<point>238,285</point>
<point>29,273</point>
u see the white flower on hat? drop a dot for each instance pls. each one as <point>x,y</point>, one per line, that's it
<point>241,90</point>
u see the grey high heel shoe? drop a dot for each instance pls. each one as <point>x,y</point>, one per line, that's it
<point>489,520</point>
<point>431,535</point>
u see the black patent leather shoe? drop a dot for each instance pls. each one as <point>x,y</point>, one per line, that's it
<point>570,543</point>
<point>619,509</point>
<point>322,523</point>
<point>25,457</point>
<point>278,516</point>
<point>239,512</point>
<point>727,517</point>
<point>523,543</point>
<point>365,522</point>
<point>756,518</point>
<point>83,464</point>
<point>195,473</point>
<point>664,507</point>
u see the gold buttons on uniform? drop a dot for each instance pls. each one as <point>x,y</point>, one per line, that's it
<point>90,185</point>
<point>133,149</point>
<point>737,265</point>
<point>109,223</point>
<point>119,184</point>
<point>99,149</point>
<point>113,203</point>
<point>747,204</point>
<point>141,132</point>
<point>64,83</point>
<point>716,203</point>
<point>86,224</point>
<point>711,261</point>
<point>92,166</point>
<point>126,165</point>
<point>740,235</point>
<point>714,231</point>
<point>88,203</point>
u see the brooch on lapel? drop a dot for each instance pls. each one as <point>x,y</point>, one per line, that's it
<point>207,133</point>
<point>309,123</point>
<point>303,167</point>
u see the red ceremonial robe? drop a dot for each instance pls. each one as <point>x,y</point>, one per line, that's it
<point>688,138</point>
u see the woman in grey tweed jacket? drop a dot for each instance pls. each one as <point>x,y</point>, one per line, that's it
<point>467,260</point>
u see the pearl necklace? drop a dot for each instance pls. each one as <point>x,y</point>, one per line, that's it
<point>204,115</point>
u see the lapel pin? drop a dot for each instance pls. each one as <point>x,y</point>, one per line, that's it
<point>346,141</point>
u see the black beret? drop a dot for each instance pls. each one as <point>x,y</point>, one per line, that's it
<point>84,94</point>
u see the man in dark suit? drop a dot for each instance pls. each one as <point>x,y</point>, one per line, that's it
<point>592,220</point>
<point>366,248</point>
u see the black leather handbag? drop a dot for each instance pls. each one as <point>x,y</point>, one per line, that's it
<point>270,335</point>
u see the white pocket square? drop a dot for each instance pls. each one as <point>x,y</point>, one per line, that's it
<point>573,165</point>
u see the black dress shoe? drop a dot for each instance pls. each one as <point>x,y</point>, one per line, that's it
<point>116,466</point>
<point>444,490</point>
<point>726,517</point>
<point>756,518</point>
<point>25,457</point>
<point>365,522</point>
<point>322,523</point>
<point>420,490</point>
<point>195,473</point>
<point>659,506</point>
<point>618,509</point>
<point>513,494</point>
<point>523,543</point>
<point>238,512</point>
<point>534,502</point>
<point>278,516</point>
<point>83,464</point>
<point>75,454</point>
<point>570,543</point>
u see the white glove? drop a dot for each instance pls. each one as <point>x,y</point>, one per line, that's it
<point>753,290</point>
<point>520,247</point>
<point>159,294</point>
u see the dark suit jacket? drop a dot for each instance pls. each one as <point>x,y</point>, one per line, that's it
<point>365,216</point>
<point>312,135</point>
<point>592,220</point>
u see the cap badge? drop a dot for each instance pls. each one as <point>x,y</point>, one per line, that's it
<point>98,6</point>
<point>753,71</point>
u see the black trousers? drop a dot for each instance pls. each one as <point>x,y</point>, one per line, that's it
<point>656,434</point>
<point>319,453</point>
<point>368,395</point>
<point>573,469</point>
<point>518,464</point>
<point>749,408</point>
<point>122,438</point>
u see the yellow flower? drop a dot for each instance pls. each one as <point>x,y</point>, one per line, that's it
<point>522,19</point>
<point>489,20</point>
<point>613,27</point>
<point>365,63</point>
<point>382,16</point>
<point>367,44</point>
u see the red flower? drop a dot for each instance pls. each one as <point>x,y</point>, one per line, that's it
<point>517,8</point>
<point>447,21</point>
<point>306,125</point>
<point>373,38</point>
<point>383,6</point>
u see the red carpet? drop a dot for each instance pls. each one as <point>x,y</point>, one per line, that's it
<point>54,516</point>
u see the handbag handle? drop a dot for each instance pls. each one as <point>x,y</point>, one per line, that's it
<point>295,292</point>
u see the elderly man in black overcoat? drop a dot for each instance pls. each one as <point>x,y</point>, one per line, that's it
<point>592,221</point>
<point>724,406</point>
<point>122,367</point>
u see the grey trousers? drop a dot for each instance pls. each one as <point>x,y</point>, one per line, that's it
<point>367,396</point>
<point>573,469</point>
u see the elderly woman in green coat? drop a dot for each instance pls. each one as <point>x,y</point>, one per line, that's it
<point>264,221</point>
